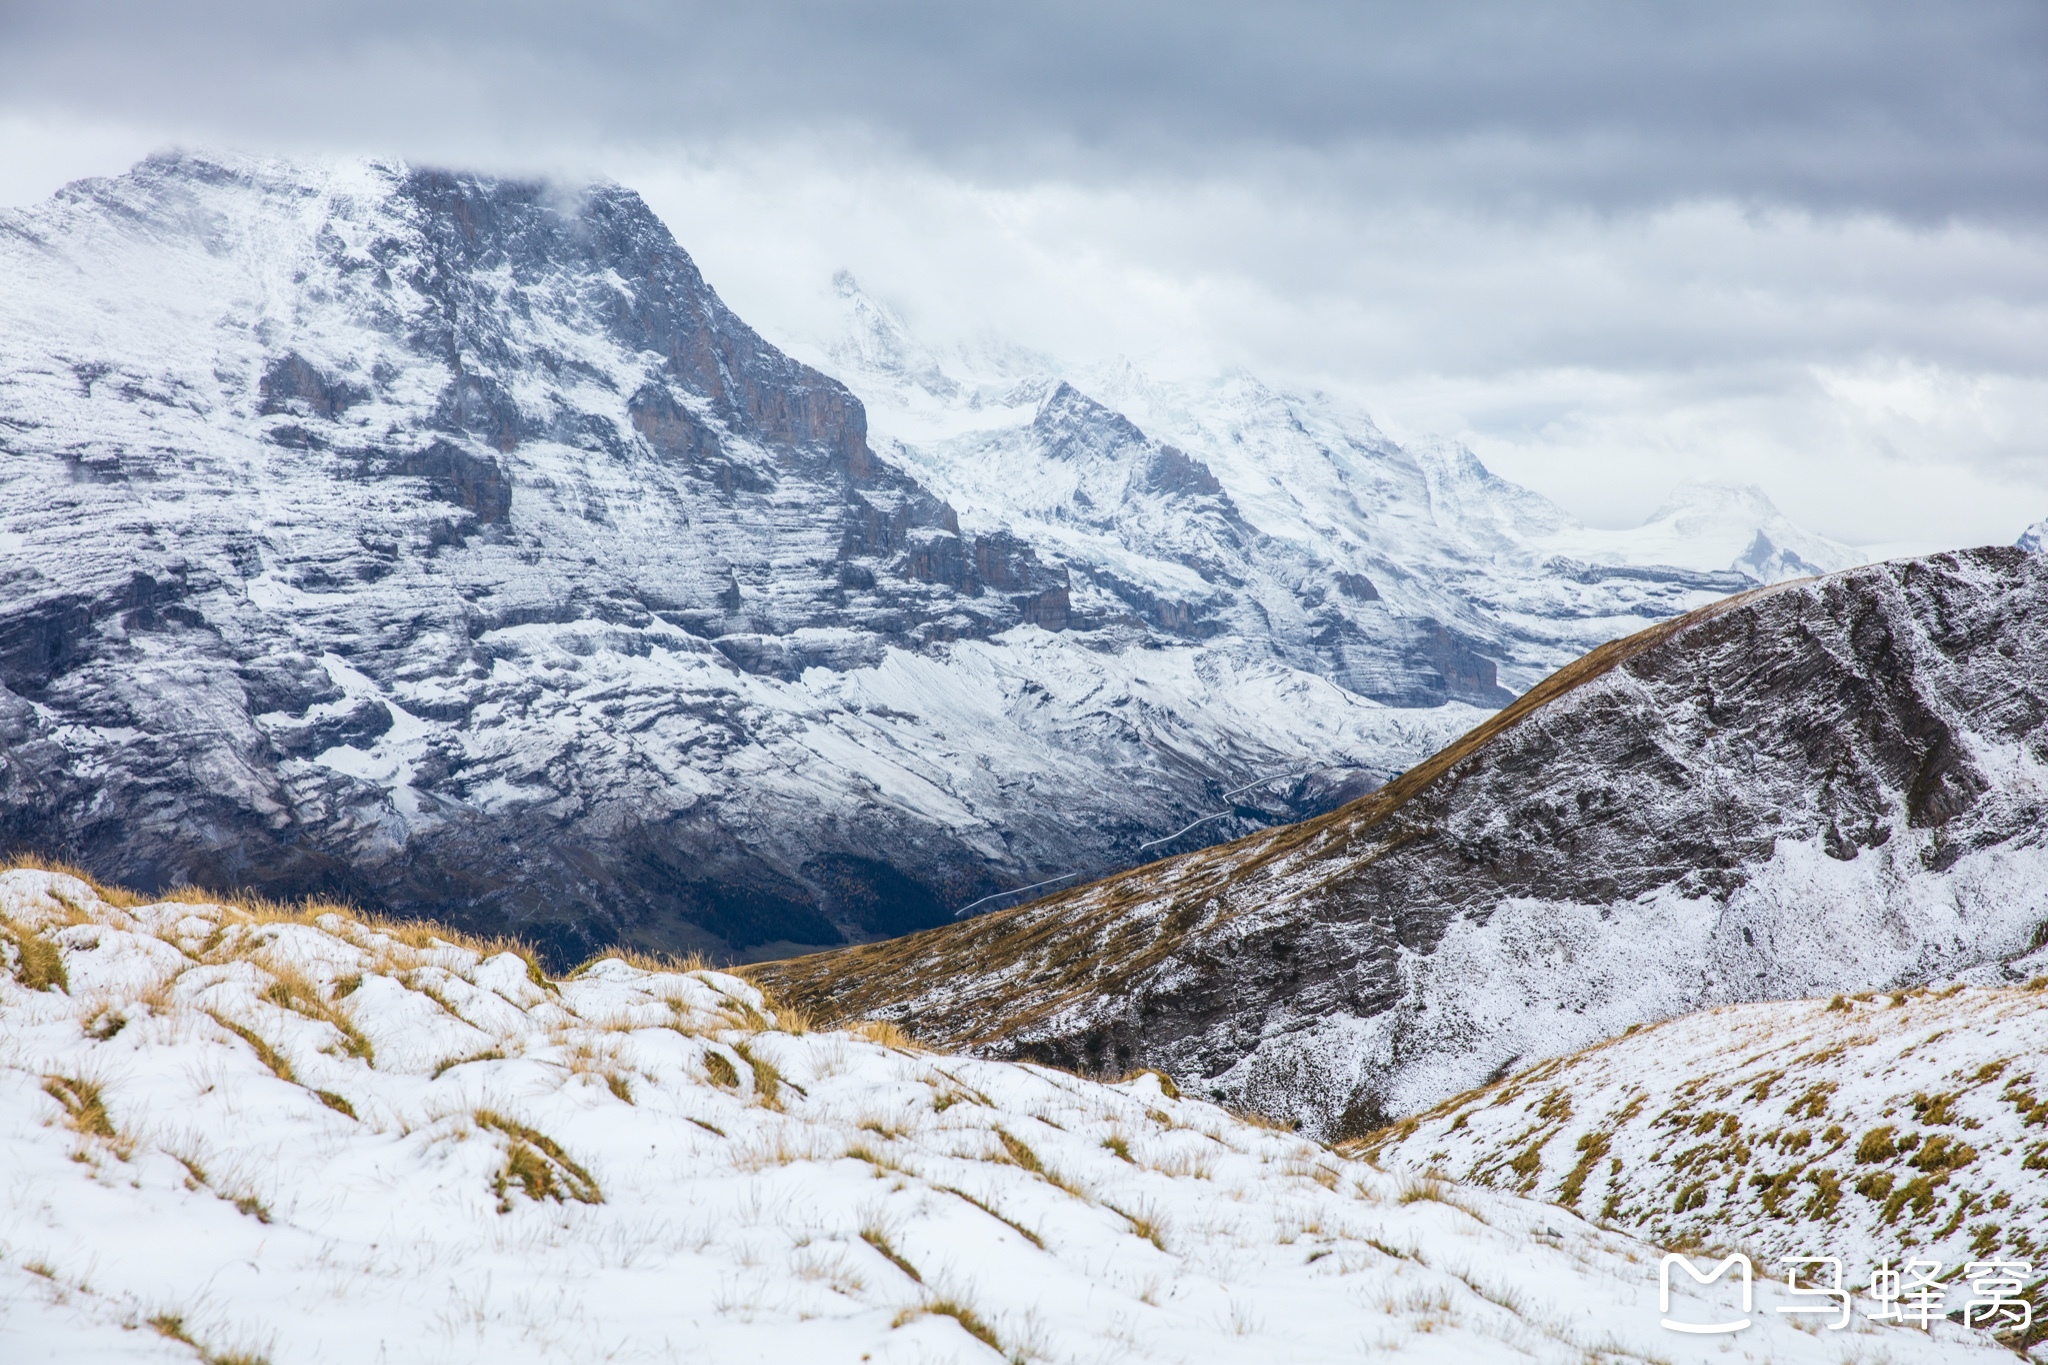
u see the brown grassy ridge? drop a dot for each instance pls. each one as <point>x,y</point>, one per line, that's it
<point>1013,968</point>
<point>253,909</point>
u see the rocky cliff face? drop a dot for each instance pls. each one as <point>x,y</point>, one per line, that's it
<point>1832,784</point>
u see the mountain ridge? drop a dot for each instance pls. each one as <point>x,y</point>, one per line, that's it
<point>1850,768</point>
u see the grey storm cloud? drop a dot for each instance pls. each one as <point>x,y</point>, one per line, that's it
<point>1800,243</point>
<point>1917,111</point>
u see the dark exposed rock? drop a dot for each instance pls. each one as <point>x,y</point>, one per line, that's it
<point>292,385</point>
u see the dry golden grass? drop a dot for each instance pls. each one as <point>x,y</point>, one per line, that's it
<point>292,989</point>
<point>878,1237</point>
<point>952,1306</point>
<point>172,1325</point>
<point>537,1164</point>
<point>1019,1152</point>
<point>1166,1085</point>
<point>489,1054</point>
<point>883,1162</point>
<point>768,1081</point>
<point>36,962</point>
<point>640,960</point>
<point>1193,1164</point>
<point>721,1071</point>
<point>885,1033</point>
<point>1145,1221</point>
<point>1026,1233</point>
<point>268,1055</point>
<point>246,909</point>
<point>35,862</point>
<point>888,1127</point>
<point>337,1103</point>
<point>1433,1189</point>
<point>85,1111</point>
<point>784,1145</point>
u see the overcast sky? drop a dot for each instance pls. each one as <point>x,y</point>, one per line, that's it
<point>1610,246</point>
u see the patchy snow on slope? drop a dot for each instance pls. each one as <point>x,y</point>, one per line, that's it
<point>239,1137</point>
<point>1539,977</point>
<point>1870,1127</point>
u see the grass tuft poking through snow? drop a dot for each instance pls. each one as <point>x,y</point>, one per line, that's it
<point>268,1133</point>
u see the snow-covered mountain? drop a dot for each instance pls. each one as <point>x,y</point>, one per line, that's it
<point>1298,518</point>
<point>240,1136</point>
<point>1831,784</point>
<point>2035,537</point>
<point>447,544</point>
<point>1871,1127</point>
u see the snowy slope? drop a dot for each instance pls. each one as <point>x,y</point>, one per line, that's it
<point>447,543</point>
<point>1861,1127</point>
<point>2035,537</point>
<point>240,1137</point>
<point>1322,503</point>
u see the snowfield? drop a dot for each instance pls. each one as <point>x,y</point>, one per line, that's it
<point>240,1135</point>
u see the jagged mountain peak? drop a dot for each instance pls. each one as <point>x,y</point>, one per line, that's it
<point>876,339</point>
<point>1448,546</point>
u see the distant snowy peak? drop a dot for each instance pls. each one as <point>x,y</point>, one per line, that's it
<point>1716,528</point>
<point>876,341</point>
<point>1324,511</point>
<point>2035,538</point>
<point>1241,427</point>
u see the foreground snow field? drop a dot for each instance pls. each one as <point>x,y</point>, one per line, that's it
<point>241,1135</point>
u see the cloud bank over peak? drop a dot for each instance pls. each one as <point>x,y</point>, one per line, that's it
<point>1608,246</point>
